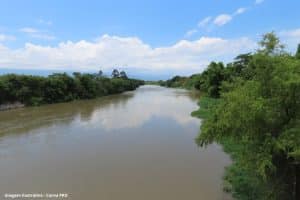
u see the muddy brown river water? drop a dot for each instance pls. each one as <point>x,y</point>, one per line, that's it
<point>134,146</point>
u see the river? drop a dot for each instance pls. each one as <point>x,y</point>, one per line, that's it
<point>137,145</point>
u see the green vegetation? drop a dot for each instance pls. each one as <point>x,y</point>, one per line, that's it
<point>206,104</point>
<point>180,81</point>
<point>298,52</point>
<point>252,108</point>
<point>36,90</point>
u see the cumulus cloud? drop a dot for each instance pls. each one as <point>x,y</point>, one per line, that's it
<point>222,19</point>
<point>111,51</point>
<point>4,37</point>
<point>38,34</point>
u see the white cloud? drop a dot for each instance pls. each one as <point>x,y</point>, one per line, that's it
<point>291,37</point>
<point>222,19</point>
<point>204,22</point>
<point>240,11</point>
<point>111,51</point>
<point>259,1</point>
<point>29,30</point>
<point>219,20</point>
<point>43,36</point>
<point>190,33</point>
<point>295,33</point>
<point>38,34</point>
<point>4,37</point>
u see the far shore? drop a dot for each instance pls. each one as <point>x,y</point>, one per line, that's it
<point>9,106</point>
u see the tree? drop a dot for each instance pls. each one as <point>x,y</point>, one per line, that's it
<point>100,73</point>
<point>255,115</point>
<point>298,52</point>
<point>262,116</point>
<point>212,79</point>
<point>123,75</point>
<point>115,73</point>
<point>270,44</point>
<point>60,87</point>
<point>241,62</point>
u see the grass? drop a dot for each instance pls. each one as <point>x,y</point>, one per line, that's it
<point>205,106</point>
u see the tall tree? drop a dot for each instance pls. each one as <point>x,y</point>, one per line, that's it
<point>123,75</point>
<point>115,73</point>
<point>270,44</point>
<point>298,52</point>
<point>100,73</point>
<point>212,79</point>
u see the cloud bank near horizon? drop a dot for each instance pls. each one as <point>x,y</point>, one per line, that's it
<point>108,52</point>
<point>131,53</point>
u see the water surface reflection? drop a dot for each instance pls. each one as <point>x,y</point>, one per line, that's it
<point>137,145</point>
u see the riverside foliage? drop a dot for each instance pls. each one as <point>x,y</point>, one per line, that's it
<point>61,87</point>
<point>252,108</point>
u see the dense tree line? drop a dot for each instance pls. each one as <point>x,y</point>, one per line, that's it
<point>252,107</point>
<point>61,87</point>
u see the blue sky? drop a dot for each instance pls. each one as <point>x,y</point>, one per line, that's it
<point>146,37</point>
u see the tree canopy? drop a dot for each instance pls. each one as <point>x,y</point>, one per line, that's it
<point>115,73</point>
<point>253,108</point>
<point>60,87</point>
<point>270,44</point>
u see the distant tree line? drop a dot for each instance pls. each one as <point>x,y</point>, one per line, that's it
<point>252,107</point>
<point>61,87</point>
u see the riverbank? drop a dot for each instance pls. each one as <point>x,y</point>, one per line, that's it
<point>9,106</point>
<point>25,90</point>
<point>239,180</point>
<point>256,119</point>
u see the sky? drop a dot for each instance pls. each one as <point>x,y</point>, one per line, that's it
<point>151,39</point>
